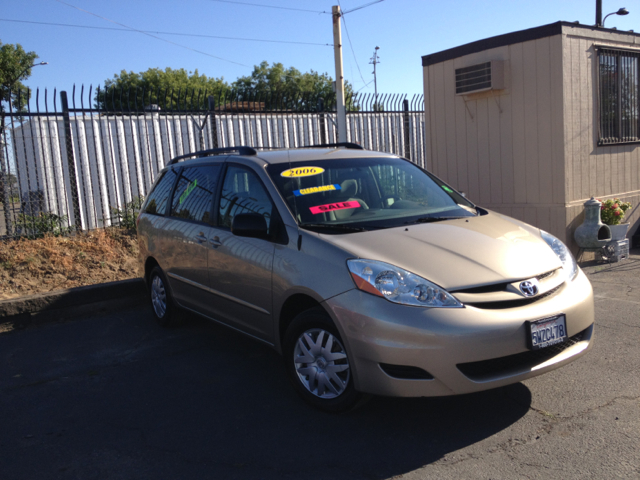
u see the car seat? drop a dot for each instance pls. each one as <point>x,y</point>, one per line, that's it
<point>349,193</point>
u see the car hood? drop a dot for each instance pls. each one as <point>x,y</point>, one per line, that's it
<point>461,253</point>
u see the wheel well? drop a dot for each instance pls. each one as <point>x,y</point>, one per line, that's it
<point>148,266</point>
<point>293,306</point>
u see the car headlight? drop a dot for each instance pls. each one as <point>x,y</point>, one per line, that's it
<point>398,285</point>
<point>560,249</point>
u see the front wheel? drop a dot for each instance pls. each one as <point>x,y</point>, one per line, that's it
<point>164,310</point>
<point>318,363</point>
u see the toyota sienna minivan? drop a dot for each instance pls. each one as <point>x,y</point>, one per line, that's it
<point>367,273</point>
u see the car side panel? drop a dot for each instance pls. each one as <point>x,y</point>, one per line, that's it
<point>150,238</point>
<point>240,276</point>
<point>318,270</point>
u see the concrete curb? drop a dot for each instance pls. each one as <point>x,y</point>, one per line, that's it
<point>67,304</point>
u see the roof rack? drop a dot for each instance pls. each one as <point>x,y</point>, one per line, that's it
<point>355,146</point>
<point>215,151</point>
<point>352,145</point>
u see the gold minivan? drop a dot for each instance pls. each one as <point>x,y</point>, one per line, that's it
<point>367,273</point>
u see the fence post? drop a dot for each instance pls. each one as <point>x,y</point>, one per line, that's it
<point>5,180</point>
<point>323,124</point>
<point>73,182</point>
<point>214,126</point>
<point>407,137</point>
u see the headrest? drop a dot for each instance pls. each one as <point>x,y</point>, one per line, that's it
<point>349,188</point>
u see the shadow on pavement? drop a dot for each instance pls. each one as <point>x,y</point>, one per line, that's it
<point>201,401</point>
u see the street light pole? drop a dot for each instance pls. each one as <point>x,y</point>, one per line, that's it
<point>599,20</point>
<point>4,171</point>
<point>621,11</point>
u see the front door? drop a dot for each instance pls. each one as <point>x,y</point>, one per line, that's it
<point>240,268</point>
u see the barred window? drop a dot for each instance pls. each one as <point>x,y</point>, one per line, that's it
<point>619,110</point>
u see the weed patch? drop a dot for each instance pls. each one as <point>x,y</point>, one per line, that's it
<point>29,266</point>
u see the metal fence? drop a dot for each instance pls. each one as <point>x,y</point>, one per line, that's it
<point>79,162</point>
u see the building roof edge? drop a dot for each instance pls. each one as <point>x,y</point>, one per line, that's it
<point>509,39</point>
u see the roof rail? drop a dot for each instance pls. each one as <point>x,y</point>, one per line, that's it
<point>215,151</point>
<point>352,145</point>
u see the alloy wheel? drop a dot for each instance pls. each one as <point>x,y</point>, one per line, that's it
<point>321,363</point>
<point>158,296</point>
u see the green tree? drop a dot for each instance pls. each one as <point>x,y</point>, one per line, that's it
<point>169,89</point>
<point>279,85</point>
<point>15,65</point>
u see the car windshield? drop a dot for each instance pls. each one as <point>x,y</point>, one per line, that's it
<point>358,194</point>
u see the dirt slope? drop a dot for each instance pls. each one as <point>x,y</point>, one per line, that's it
<point>54,263</point>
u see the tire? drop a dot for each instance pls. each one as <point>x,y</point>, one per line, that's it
<point>162,305</point>
<point>318,364</point>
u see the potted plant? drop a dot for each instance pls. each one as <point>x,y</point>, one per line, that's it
<point>612,213</point>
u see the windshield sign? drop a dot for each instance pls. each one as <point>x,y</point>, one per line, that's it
<point>367,193</point>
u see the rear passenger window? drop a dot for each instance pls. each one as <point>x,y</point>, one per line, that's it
<point>243,192</point>
<point>193,197</point>
<point>158,198</point>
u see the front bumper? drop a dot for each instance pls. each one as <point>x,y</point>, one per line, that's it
<point>437,340</point>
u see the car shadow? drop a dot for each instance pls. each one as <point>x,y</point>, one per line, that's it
<point>117,396</point>
<point>253,419</point>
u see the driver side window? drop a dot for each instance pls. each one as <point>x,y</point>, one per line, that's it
<point>243,192</point>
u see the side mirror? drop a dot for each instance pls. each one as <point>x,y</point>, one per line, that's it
<point>251,225</point>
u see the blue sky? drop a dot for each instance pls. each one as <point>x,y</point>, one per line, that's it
<point>403,29</point>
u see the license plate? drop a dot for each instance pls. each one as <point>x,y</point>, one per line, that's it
<point>547,331</point>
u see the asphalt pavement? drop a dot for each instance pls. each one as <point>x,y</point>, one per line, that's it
<point>111,395</point>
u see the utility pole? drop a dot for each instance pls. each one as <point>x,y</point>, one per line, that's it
<point>337,51</point>
<point>375,61</point>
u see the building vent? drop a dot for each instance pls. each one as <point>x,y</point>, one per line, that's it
<point>480,78</point>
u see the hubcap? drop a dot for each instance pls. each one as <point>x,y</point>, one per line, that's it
<point>158,297</point>
<point>321,363</point>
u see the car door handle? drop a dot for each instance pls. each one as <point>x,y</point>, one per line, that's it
<point>215,242</point>
<point>201,238</point>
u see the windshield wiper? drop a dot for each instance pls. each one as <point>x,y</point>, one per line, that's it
<point>434,219</point>
<point>335,227</point>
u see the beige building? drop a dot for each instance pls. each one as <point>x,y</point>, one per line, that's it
<point>533,123</point>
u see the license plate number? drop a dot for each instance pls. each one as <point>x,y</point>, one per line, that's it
<point>546,332</point>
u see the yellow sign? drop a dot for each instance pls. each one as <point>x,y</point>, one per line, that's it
<point>322,188</point>
<point>302,172</point>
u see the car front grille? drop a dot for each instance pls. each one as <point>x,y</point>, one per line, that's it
<point>499,287</point>
<point>513,303</point>
<point>512,364</point>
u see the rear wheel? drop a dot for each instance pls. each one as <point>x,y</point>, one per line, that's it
<point>318,363</point>
<point>162,304</point>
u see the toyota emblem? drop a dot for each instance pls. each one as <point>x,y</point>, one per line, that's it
<point>529,288</point>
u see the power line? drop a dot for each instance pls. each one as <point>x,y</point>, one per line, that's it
<point>164,33</point>
<point>269,6</point>
<point>361,88</point>
<point>351,45</point>
<point>153,36</point>
<point>362,6</point>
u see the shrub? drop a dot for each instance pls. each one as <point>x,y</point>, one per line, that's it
<point>127,216</point>
<point>43,223</point>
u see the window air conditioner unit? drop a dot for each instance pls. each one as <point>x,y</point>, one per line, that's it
<point>480,78</point>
